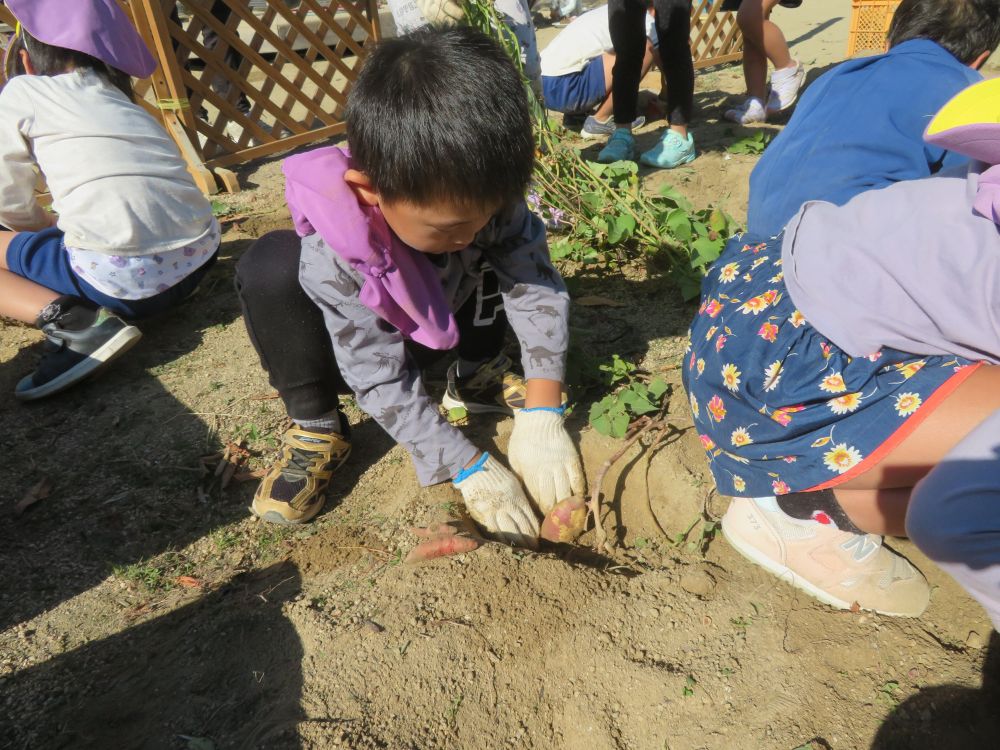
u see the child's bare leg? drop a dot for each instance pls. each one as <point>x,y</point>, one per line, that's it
<point>762,41</point>
<point>607,106</point>
<point>20,298</point>
<point>880,512</point>
<point>649,59</point>
<point>877,500</point>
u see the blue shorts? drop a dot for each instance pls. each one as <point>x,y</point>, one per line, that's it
<point>576,92</point>
<point>42,257</point>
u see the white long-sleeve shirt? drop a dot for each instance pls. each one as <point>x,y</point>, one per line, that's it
<point>582,40</point>
<point>118,183</point>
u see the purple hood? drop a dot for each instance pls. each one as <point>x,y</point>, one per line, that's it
<point>401,285</point>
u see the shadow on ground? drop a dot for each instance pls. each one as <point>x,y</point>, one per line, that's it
<point>226,668</point>
<point>948,717</point>
<point>121,453</point>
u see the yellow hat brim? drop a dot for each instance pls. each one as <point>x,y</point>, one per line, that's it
<point>978,104</point>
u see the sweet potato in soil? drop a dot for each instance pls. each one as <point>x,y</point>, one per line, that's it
<point>441,545</point>
<point>566,521</point>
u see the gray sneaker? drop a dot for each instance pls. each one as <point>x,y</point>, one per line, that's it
<point>594,128</point>
<point>81,341</point>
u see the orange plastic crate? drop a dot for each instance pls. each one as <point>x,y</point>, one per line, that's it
<point>870,21</point>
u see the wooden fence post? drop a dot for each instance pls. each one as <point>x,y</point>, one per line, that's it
<point>171,97</point>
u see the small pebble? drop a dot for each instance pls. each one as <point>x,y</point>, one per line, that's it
<point>372,626</point>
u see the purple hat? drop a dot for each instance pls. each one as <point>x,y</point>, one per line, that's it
<point>99,28</point>
<point>969,123</point>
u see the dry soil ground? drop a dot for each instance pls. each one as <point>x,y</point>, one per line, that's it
<point>142,608</point>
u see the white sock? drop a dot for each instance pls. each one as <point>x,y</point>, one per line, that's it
<point>780,76</point>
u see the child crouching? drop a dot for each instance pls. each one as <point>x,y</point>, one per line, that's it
<point>132,235</point>
<point>417,239</point>
<point>844,384</point>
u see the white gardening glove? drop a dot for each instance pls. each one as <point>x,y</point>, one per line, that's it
<point>542,454</point>
<point>496,502</point>
<point>443,12</point>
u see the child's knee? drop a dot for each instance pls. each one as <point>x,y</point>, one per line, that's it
<point>270,265</point>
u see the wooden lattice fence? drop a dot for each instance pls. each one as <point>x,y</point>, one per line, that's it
<point>715,37</point>
<point>246,79</point>
<point>242,79</point>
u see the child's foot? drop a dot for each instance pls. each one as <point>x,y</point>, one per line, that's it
<point>594,128</point>
<point>837,567</point>
<point>491,388</point>
<point>786,83</point>
<point>81,341</point>
<point>620,147</point>
<point>673,150</point>
<point>294,489</point>
<point>751,111</point>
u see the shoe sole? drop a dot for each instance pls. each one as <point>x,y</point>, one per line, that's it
<point>451,403</point>
<point>588,136</point>
<point>630,157</point>
<point>789,576</point>
<point>273,516</point>
<point>120,343</point>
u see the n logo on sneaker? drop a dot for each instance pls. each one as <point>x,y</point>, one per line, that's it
<point>862,546</point>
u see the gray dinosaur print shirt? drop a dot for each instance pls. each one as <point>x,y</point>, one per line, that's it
<point>372,354</point>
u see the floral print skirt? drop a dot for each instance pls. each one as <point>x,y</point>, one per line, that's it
<point>777,406</point>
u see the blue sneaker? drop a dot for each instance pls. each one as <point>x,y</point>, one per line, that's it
<point>672,151</point>
<point>620,147</point>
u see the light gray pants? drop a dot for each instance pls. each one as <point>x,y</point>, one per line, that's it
<point>954,515</point>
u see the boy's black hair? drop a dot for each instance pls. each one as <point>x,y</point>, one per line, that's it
<point>49,60</point>
<point>441,114</point>
<point>966,28</point>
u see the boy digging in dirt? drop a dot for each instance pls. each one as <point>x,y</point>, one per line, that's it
<point>416,239</point>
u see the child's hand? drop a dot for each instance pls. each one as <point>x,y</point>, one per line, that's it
<point>444,12</point>
<point>543,455</point>
<point>496,502</point>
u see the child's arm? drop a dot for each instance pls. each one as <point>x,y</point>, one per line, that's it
<point>537,306</point>
<point>534,295</point>
<point>373,360</point>
<point>19,210</point>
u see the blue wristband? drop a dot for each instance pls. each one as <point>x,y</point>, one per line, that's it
<point>556,409</point>
<point>474,469</point>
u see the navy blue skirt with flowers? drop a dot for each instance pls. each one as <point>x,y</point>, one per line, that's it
<point>779,408</point>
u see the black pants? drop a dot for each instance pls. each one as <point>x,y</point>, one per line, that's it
<point>291,338</point>
<point>626,21</point>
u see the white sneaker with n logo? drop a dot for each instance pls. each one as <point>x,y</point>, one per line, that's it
<point>837,567</point>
